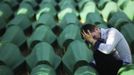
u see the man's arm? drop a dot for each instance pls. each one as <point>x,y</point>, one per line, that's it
<point>107,47</point>
<point>111,41</point>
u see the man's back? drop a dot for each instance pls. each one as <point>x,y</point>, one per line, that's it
<point>115,41</point>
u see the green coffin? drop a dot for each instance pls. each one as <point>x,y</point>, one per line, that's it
<point>109,8</point>
<point>14,34</point>
<point>5,11</point>
<point>22,21</point>
<point>66,6</point>
<point>127,30</point>
<point>122,3</point>
<point>126,70</point>
<point>12,3</point>
<point>89,7</point>
<point>10,55</point>
<point>2,23</point>
<point>86,70</point>
<point>46,19</point>
<point>70,33</point>
<point>33,3</point>
<point>118,19</point>
<point>4,70</point>
<point>43,70</point>
<point>81,3</point>
<point>102,25</point>
<point>41,33</point>
<point>53,2</point>
<point>43,53</point>
<point>129,11</point>
<point>69,18</point>
<point>46,8</point>
<point>26,9</point>
<point>101,4</point>
<point>76,52</point>
<point>67,3</point>
<point>94,18</point>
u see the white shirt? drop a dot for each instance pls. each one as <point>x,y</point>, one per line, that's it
<point>115,41</point>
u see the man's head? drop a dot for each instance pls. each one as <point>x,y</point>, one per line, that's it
<point>95,31</point>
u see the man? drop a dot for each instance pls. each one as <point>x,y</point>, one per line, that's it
<point>111,50</point>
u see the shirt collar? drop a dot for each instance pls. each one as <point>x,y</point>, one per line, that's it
<point>104,33</point>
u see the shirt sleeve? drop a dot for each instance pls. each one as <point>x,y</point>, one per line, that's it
<point>111,42</point>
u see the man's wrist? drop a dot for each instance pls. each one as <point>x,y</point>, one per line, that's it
<point>93,42</point>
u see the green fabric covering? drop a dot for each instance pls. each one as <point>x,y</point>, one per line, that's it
<point>2,23</point>
<point>94,18</point>
<point>41,33</point>
<point>43,52</point>
<point>109,8</point>
<point>5,11</point>
<point>43,70</point>
<point>101,4</point>
<point>4,70</point>
<point>10,55</point>
<point>22,21</point>
<point>102,25</point>
<point>89,7</point>
<point>66,6</point>
<point>81,3</point>
<point>25,9</point>
<point>31,2</point>
<point>46,19</point>
<point>46,8</point>
<point>65,11</point>
<point>77,51</point>
<point>15,35</point>
<point>12,3</point>
<point>126,70</point>
<point>122,3</point>
<point>86,70</point>
<point>128,10</point>
<point>127,31</point>
<point>69,18</point>
<point>53,2</point>
<point>67,3</point>
<point>118,19</point>
<point>70,33</point>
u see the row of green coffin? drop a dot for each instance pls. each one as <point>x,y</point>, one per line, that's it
<point>21,18</point>
<point>15,35</point>
<point>24,13</point>
<point>64,4</point>
<point>90,7</point>
<point>38,70</point>
<point>11,56</point>
<point>70,32</point>
<point>43,53</point>
<point>47,70</point>
<point>15,3</point>
<point>43,60</point>
<point>24,7</point>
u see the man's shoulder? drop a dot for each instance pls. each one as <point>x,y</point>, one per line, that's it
<point>112,29</point>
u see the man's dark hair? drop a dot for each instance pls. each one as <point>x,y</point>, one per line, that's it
<point>89,27</point>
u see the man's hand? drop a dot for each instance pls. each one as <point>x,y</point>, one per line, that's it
<point>87,36</point>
